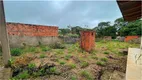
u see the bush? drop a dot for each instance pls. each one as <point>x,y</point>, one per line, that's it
<point>16,51</point>
<point>86,75</point>
<point>106,52</point>
<point>84,64</point>
<point>42,56</point>
<point>100,63</point>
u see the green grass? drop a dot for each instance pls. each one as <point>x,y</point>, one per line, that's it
<point>16,51</point>
<point>53,69</point>
<point>84,64</point>
<point>42,56</point>
<point>100,63</point>
<point>73,78</point>
<point>72,66</point>
<point>22,75</point>
<point>86,75</point>
<point>62,62</point>
<point>106,52</point>
<point>31,65</point>
<point>104,59</point>
<point>67,57</point>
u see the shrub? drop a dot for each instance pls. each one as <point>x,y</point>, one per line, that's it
<point>104,59</point>
<point>100,63</point>
<point>23,75</point>
<point>31,65</point>
<point>62,63</point>
<point>42,56</point>
<point>106,52</point>
<point>67,57</point>
<point>60,51</point>
<point>53,69</point>
<point>16,51</point>
<point>86,75</point>
<point>84,64</point>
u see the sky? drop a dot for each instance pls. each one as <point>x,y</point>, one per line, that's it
<point>62,13</point>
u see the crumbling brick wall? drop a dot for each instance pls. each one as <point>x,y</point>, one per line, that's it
<point>31,30</point>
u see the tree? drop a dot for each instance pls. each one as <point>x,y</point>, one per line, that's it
<point>64,31</point>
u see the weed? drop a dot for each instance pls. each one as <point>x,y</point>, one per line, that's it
<point>62,62</point>
<point>73,78</point>
<point>84,64</point>
<point>86,75</point>
<point>59,51</point>
<point>45,48</point>
<point>67,57</point>
<point>11,61</point>
<point>31,65</point>
<point>95,57</point>
<point>23,75</point>
<point>104,59</point>
<point>106,52</point>
<point>100,63</point>
<point>16,51</point>
<point>53,69</point>
<point>42,56</point>
<point>72,66</point>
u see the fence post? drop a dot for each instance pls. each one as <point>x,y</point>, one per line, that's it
<point>4,36</point>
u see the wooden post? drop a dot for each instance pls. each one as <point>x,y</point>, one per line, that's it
<point>4,37</point>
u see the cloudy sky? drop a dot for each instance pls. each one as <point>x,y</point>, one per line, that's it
<point>62,13</point>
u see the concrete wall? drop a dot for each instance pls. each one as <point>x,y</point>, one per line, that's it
<point>20,41</point>
<point>31,35</point>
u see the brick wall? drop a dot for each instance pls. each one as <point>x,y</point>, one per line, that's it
<point>87,40</point>
<point>31,30</point>
<point>128,38</point>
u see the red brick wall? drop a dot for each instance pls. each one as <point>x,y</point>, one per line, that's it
<point>31,30</point>
<point>127,38</point>
<point>87,40</point>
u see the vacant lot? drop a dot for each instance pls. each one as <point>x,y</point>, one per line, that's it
<point>68,62</point>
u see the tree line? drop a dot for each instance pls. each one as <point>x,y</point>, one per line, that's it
<point>119,28</point>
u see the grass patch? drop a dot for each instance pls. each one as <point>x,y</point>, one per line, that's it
<point>100,63</point>
<point>106,52</point>
<point>86,75</point>
<point>95,57</point>
<point>42,56</point>
<point>22,75</point>
<point>73,78</point>
<point>62,63</point>
<point>53,69</point>
<point>84,64</point>
<point>31,65</point>
<point>16,51</point>
<point>72,66</point>
<point>67,57</point>
<point>45,48</point>
<point>104,59</point>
